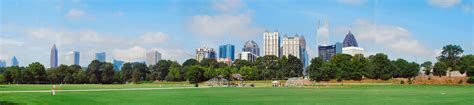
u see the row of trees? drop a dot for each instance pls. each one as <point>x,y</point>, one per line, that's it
<point>347,67</point>
<point>340,67</point>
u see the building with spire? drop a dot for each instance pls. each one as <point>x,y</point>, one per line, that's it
<point>322,33</point>
<point>350,45</point>
<point>252,47</point>
<point>54,57</point>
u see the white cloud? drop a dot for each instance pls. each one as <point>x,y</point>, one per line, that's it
<point>353,2</point>
<point>135,53</point>
<point>444,3</point>
<point>394,39</point>
<point>75,13</point>
<point>228,22</point>
<point>467,7</point>
<point>153,37</point>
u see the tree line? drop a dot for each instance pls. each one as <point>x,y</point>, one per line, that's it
<point>269,67</point>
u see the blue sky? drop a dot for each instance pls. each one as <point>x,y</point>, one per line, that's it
<point>126,29</point>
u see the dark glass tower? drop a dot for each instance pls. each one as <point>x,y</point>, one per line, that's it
<point>349,40</point>
<point>54,57</point>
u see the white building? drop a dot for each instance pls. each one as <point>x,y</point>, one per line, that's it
<point>271,43</point>
<point>353,50</point>
<point>153,57</point>
<point>293,45</point>
<point>248,56</point>
<point>205,52</point>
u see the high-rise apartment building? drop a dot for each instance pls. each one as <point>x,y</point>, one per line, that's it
<point>153,57</point>
<point>271,43</point>
<point>205,52</point>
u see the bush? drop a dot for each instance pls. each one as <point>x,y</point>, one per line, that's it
<point>402,82</point>
<point>470,80</point>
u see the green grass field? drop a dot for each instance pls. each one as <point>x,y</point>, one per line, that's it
<point>325,95</point>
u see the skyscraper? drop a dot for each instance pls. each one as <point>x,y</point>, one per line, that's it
<point>15,61</point>
<point>322,33</point>
<point>205,52</point>
<point>350,45</point>
<point>252,47</point>
<point>117,64</point>
<point>3,63</point>
<point>328,51</point>
<point>54,57</point>
<point>271,43</point>
<point>294,45</point>
<point>100,56</point>
<point>227,51</point>
<point>153,57</point>
<point>74,57</point>
<point>349,40</point>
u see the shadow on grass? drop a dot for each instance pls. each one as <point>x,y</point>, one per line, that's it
<point>10,103</point>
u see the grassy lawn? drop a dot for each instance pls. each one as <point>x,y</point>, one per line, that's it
<point>325,95</point>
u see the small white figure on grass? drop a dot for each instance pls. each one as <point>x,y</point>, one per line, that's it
<point>53,91</point>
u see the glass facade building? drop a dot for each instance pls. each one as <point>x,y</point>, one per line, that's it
<point>327,52</point>
<point>100,56</point>
<point>227,51</point>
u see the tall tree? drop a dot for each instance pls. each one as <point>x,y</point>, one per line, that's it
<point>127,70</point>
<point>295,67</point>
<point>107,72</point>
<point>195,74</point>
<point>269,65</point>
<point>359,66</point>
<point>466,65</point>
<point>450,55</point>
<point>38,71</point>
<point>382,65</point>
<point>93,72</point>
<point>314,69</point>
<point>401,67</point>
<point>427,66</point>
<point>343,67</point>
<point>439,69</point>
<point>241,63</point>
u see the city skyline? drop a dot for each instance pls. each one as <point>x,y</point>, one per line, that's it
<point>177,28</point>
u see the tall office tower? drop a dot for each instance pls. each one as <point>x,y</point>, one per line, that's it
<point>117,64</point>
<point>153,57</point>
<point>322,33</point>
<point>100,56</point>
<point>251,46</point>
<point>54,57</point>
<point>350,45</point>
<point>328,51</point>
<point>74,57</point>
<point>3,63</point>
<point>205,52</point>
<point>15,61</point>
<point>227,51</point>
<point>294,45</point>
<point>271,43</point>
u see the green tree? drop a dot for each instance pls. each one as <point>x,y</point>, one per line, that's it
<point>195,74</point>
<point>93,72</point>
<point>248,73</point>
<point>13,74</point>
<point>314,69</point>
<point>127,70</point>
<point>382,66</point>
<point>401,67</point>
<point>80,76</point>
<point>269,65</point>
<point>209,62</point>
<point>139,71</point>
<point>343,67</point>
<point>107,72</point>
<point>359,66</point>
<point>427,66</point>
<point>466,65</point>
<point>238,63</point>
<point>38,71</point>
<point>450,56</point>
<point>295,67</point>
<point>439,69</point>
<point>190,62</point>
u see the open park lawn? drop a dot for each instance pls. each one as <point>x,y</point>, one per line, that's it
<point>322,95</point>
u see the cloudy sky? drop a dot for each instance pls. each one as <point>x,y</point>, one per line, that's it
<point>126,29</point>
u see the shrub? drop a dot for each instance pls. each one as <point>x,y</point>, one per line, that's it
<point>460,81</point>
<point>402,82</point>
<point>470,80</point>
